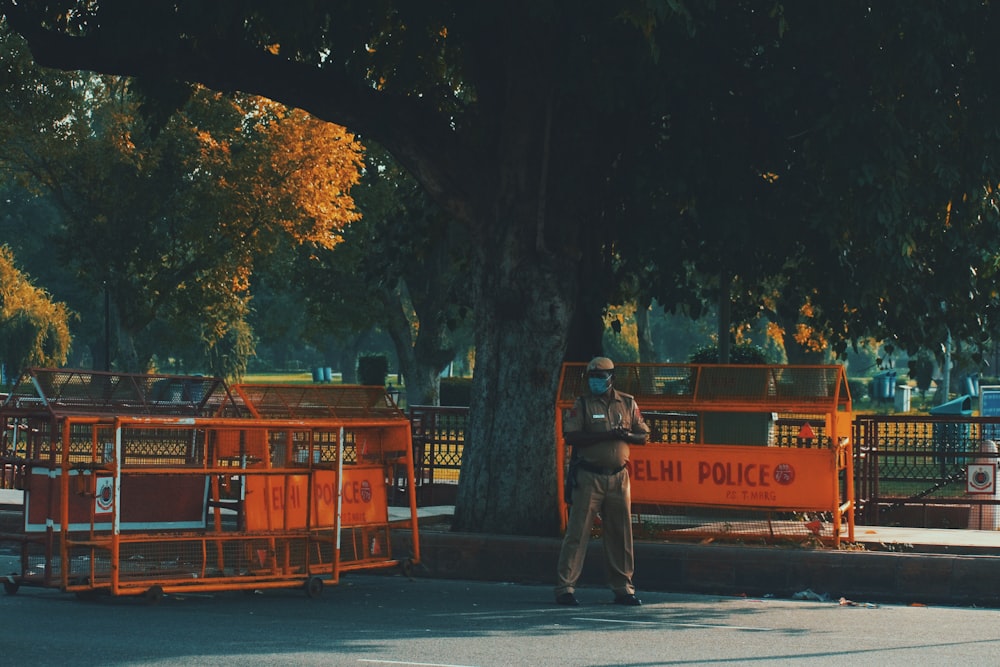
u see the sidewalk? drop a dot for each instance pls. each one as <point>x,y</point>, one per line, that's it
<point>896,565</point>
<point>875,538</point>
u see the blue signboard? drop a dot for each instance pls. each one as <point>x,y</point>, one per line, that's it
<point>989,406</point>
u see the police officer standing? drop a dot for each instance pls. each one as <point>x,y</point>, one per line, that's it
<point>600,428</point>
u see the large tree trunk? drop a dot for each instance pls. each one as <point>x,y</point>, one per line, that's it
<point>128,356</point>
<point>424,350</point>
<point>508,482</point>
<point>799,355</point>
<point>586,332</point>
<point>786,316</point>
<point>725,311</point>
<point>524,296</point>
<point>422,376</point>
<point>524,284</point>
<point>647,349</point>
<point>347,361</point>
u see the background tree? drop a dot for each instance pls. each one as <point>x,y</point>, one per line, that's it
<point>167,215</point>
<point>34,330</point>
<point>403,268</point>
<point>837,190</point>
<point>696,148</point>
<point>26,224</point>
<point>454,96</point>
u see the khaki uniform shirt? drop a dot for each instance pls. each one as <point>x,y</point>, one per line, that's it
<point>600,414</point>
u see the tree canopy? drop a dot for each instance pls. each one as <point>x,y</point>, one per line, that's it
<point>835,166</point>
<point>837,157</point>
<point>168,214</point>
<point>34,330</point>
<point>402,267</point>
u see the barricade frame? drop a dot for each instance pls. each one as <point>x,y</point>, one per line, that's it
<point>369,414</point>
<point>717,399</point>
<point>78,448</point>
<point>132,560</point>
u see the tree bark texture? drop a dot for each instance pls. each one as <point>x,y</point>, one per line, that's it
<point>524,284</point>
<point>508,483</point>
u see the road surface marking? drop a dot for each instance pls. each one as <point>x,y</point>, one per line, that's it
<point>683,625</point>
<point>413,664</point>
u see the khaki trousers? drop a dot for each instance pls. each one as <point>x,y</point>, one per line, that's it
<point>609,495</point>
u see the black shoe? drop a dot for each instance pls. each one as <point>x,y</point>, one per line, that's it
<point>628,600</point>
<point>567,599</point>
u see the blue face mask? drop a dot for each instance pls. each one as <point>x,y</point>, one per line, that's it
<point>599,386</point>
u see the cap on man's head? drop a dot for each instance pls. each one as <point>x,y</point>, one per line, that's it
<point>600,364</point>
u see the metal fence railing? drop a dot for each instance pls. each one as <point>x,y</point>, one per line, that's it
<point>438,434</point>
<point>910,470</point>
<point>914,470</point>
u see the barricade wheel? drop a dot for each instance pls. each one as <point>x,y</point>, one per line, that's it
<point>89,594</point>
<point>406,567</point>
<point>153,595</point>
<point>314,587</point>
<point>10,586</point>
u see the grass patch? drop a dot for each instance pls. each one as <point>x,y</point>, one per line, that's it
<point>293,377</point>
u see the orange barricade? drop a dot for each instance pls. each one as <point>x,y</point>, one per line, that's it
<point>378,452</point>
<point>721,439</point>
<point>137,497</point>
<point>114,522</point>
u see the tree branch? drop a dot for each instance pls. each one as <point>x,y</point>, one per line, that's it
<point>408,127</point>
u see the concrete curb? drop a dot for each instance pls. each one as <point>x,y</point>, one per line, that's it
<point>859,576</point>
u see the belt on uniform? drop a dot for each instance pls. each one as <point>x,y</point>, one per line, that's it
<point>598,470</point>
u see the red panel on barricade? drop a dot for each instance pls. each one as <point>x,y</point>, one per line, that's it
<point>149,502</point>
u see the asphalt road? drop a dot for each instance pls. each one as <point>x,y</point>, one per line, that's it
<point>375,619</point>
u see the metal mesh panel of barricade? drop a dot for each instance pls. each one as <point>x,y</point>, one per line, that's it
<point>72,391</point>
<point>195,561</point>
<point>746,526</point>
<point>364,545</point>
<point>704,385</point>
<point>268,401</point>
<point>779,429</point>
<point>20,554</point>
